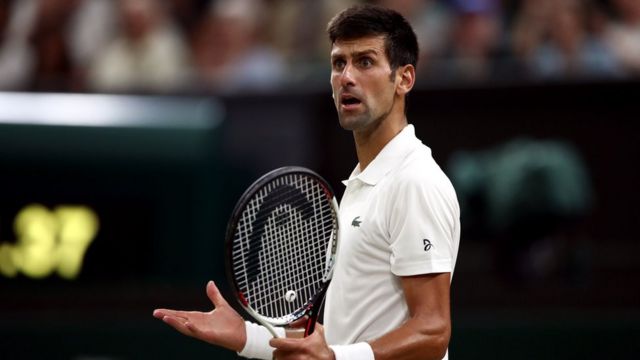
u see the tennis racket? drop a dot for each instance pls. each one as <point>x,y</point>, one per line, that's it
<point>281,245</point>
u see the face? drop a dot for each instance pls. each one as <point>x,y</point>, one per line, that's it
<point>364,90</point>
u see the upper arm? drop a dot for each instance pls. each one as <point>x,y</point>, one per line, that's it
<point>427,298</point>
<point>425,335</point>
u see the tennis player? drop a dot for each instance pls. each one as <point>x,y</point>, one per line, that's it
<point>389,296</point>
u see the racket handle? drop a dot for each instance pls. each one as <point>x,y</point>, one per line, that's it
<point>314,310</point>
<point>311,323</point>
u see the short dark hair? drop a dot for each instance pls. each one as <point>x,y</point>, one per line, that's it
<point>359,21</point>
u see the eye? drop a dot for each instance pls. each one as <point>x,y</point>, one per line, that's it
<point>338,64</point>
<point>366,62</point>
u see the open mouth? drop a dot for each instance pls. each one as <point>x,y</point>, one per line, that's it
<point>349,101</point>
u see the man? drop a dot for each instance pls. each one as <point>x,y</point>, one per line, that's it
<point>389,296</point>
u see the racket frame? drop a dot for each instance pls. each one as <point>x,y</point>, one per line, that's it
<point>313,305</point>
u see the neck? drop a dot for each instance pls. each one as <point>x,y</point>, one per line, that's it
<point>370,142</point>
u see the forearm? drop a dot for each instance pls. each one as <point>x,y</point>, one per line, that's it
<point>415,339</point>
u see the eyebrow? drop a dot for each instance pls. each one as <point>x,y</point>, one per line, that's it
<point>356,54</point>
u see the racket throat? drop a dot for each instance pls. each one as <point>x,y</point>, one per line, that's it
<point>313,310</point>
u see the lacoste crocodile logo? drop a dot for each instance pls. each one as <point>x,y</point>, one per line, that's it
<point>356,222</point>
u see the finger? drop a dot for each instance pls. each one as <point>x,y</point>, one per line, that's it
<point>280,355</point>
<point>160,313</point>
<point>215,296</point>
<point>277,355</point>
<point>192,328</point>
<point>178,324</point>
<point>286,344</point>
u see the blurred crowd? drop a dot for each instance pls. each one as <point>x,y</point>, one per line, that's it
<point>228,46</point>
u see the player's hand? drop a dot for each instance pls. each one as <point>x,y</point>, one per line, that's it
<point>313,347</point>
<point>222,326</point>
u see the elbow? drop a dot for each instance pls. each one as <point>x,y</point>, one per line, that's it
<point>441,344</point>
<point>436,340</point>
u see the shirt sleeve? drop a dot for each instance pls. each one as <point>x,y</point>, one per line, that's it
<point>422,227</point>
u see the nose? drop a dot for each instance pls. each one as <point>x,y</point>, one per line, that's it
<point>346,77</point>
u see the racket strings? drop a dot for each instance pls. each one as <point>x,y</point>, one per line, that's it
<point>282,196</point>
<point>286,257</point>
<point>245,229</point>
<point>255,263</point>
<point>293,245</point>
<point>283,255</point>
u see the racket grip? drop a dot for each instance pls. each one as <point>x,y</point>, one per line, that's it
<point>314,310</point>
<point>311,323</point>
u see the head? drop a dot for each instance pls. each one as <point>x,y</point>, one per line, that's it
<point>140,17</point>
<point>628,10</point>
<point>361,21</point>
<point>374,54</point>
<point>4,17</point>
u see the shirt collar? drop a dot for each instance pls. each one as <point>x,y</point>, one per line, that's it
<point>389,157</point>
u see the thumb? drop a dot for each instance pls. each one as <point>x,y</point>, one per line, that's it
<point>215,296</point>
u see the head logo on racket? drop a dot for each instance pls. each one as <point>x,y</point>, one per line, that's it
<point>281,246</point>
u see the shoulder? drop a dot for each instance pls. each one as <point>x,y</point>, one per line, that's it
<point>419,184</point>
<point>419,170</point>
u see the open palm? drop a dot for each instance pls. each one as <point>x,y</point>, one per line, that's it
<point>222,326</point>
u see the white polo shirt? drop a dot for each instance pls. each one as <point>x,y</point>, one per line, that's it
<point>399,217</point>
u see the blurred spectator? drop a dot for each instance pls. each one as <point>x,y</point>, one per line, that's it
<point>149,53</point>
<point>16,60</point>
<point>92,27</point>
<point>474,52</point>
<point>53,65</point>
<point>624,34</point>
<point>49,43</point>
<point>187,13</point>
<point>228,53</point>
<point>568,48</point>
<point>140,45</point>
<point>529,27</point>
<point>298,31</point>
<point>431,20</point>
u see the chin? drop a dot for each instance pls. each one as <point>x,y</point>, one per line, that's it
<point>355,122</point>
<point>348,124</point>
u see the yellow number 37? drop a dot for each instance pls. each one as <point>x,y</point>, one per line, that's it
<point>49,241</point>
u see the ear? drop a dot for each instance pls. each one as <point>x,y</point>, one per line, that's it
<point>405,77</point>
